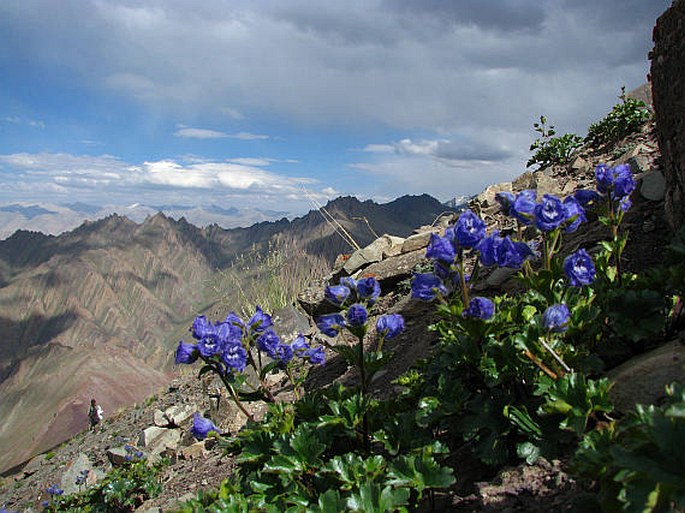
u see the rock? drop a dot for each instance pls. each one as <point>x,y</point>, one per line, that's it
<point>653,186</point>
<point>79,464</point>
<point>581,165</point>
<point>499,276</point>
<point>522,182</point>
<point>33,465</point>
<point>193,452</point>
<point>639,164</point>
<point>638,149</point>
<point>641,380</point>
<point>417,241</point>
<point>487,197</point>
<point>392,270</point>
<point>116,455</point>
<point>178,413</point>
<point>546,184</point>
<point>367,255</point>
<point>394,247</point>
<point>149,435</point>
<point>160,419</point>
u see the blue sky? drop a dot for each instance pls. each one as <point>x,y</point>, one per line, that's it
<point>272,103</point>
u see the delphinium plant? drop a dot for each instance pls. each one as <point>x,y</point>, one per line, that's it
<point>508,365</point>
<point>228,348</point>
<point>355,298</point>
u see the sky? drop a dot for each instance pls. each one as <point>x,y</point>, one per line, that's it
<point>278,104</point>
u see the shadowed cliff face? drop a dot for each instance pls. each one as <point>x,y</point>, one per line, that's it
<point>97,312</point>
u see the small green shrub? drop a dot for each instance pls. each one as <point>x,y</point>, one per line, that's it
<point>550,150</point>
<point>639,462</point>
<point>122,490</point>
<point>624,119</point>
<point>49,455</point>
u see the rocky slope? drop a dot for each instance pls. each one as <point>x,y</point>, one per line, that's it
<point>96,312</point>
<point>521,489</point>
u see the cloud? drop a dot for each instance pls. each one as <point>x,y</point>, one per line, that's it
<point>41,176</point>
<point>204,133</point>
<point>35,123</point>
<point>405,64</point>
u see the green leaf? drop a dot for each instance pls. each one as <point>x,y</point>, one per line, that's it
<point>371,498</point>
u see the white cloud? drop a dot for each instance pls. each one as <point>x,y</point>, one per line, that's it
<point>44,174</point>
<point>204,133</point>
<point>35,123</point>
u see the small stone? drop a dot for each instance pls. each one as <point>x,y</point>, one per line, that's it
<point>639,163</point>
<point>653,186</point>
<point>417,241</point>
<point>522,182</point>
<point>367,255</point>
<point>546,184</point>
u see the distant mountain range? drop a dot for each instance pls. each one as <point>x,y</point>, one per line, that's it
<point>98,311</point>
<point>53,219</point>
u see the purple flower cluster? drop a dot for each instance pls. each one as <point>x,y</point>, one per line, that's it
<point>54,490</point>
<point>547,214</point>
<point>227,343</point>
<point>468,232</point>
<point>366,290</point>
<point>502,251</point>
<point>614,186</point>
<point>365,293</point>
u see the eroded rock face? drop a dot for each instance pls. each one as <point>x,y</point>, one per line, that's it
<point>668,91</point>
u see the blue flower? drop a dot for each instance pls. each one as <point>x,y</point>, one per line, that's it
<point>586,197</point>
<point>575,214</point>
<point>283,353</point>
<point>480,308</point>
<point>390,325</point>
<point>234,318</point>
<point>357,315</point>
<point>523,206</point>
<point>502,251</point>
<point>506,200</point>
<point>441,249</point>
<point>299,344</point>
<point>202,427</point>
<point>268,341</point>
<point>201,326</point>
<point>228,333</point>
<point>579,268</point>
<point>469,229</point>
<point>556,318</point>
<point>209,345</point>
<point>337,294</point>
<point>54,490</point>
<point>331,324</point>
<point>617,182</point>
<point>260,321</point>
<point>186,353</point>
<point>316,355</point>
<point>349,282</point>
<point>368,289</point>
<point>549,213</point>
<point>426,287</point>
<point>624,184</point>
<point>234,356</point>
<point>604,178</point>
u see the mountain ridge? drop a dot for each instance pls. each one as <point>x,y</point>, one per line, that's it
<point>106,303</point>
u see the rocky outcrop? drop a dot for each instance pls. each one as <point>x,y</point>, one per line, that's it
<point>668,90</point>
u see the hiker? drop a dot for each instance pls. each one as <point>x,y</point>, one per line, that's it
<point>94,414</point>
